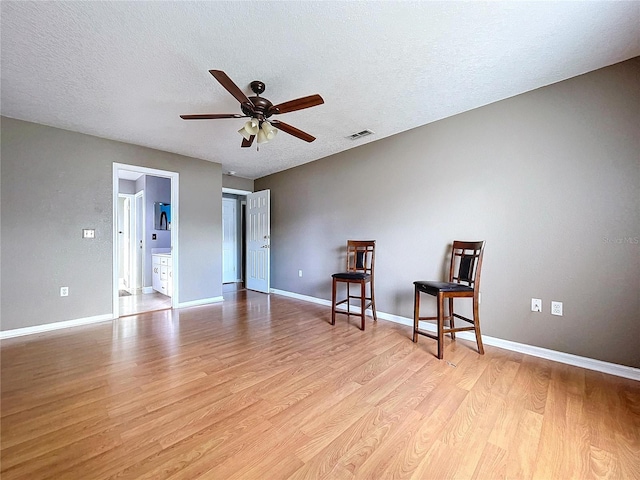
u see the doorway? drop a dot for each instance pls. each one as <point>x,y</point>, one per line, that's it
<point>253,213</point>
<point>141,242</point>
<point>233,240</point>
<point>233,273</point>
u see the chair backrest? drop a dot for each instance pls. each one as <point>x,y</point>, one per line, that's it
<point>361,256</point>
<point>466,263</point>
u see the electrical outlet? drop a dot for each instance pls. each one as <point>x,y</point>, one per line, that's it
<point>556,308</point>
<point>536,305</point>
<point>88,233</point>
<point>64,291</point>
<point>300,273</point>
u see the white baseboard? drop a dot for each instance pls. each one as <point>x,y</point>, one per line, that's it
<point>202,301</point>
<point>18,332</point>
<point>561,357</point>
<point>147,290</point>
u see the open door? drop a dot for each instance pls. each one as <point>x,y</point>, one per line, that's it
<point>258,241</point>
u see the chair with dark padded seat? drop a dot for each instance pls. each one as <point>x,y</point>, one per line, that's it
<point>464,282</point>
<point>360,267</point>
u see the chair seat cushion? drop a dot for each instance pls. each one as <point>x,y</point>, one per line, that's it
<point>432,288</point>
<point>352,276</point>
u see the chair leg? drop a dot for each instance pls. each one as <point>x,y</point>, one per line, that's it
<point>373,303</point>
<point>362,304</point>
<point>416,314</point>
<point>440,326</point>
<point>476,324</point>
<point>452,323</point>
<point>348,295</point>
<point>333,302</point>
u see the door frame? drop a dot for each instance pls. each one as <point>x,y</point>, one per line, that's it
<point>175,180</point>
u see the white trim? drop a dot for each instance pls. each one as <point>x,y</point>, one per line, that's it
<point>202,301</point>
<point>299,296</point>
<point>47,327</point>
<point>327,303</point>
<point>235,191</point>
<point>561,357</point>
<point>146,290</point>
<point>175,249</point>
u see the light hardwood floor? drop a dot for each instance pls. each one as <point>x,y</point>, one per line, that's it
<point>143,302</point>
<point>263,387</point>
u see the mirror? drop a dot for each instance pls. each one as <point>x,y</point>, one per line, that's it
<point>162,216</point>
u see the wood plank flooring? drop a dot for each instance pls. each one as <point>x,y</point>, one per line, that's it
<point>263,387</point>
<point>143,302</point>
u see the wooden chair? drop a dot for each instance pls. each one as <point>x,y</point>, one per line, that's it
<point>464,282</point>
<point>360,267</point>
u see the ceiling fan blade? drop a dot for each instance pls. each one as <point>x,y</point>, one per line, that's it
<point>231,87</point>
<point>247,143</point>
<point>285,127</point>
<point>298,104</point>
<point>211,116</point>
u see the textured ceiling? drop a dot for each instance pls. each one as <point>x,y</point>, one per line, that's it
<point>127,70</point>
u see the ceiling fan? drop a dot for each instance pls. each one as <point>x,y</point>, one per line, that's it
<point>259,109</point>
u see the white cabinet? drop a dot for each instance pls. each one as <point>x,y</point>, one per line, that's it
<point>162,280</point>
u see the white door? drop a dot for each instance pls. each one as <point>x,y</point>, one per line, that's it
<point>229,241</point>
<point>258,241</point>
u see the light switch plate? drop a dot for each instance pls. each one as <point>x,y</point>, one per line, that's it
<point>536,305</point>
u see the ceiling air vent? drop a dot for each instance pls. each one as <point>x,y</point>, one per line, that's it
<point>363,133</point>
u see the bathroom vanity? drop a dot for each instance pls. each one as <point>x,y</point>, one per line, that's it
<point>162,275</point>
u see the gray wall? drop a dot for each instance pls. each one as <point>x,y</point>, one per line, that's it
<point>56,182</point>
<point>550,179</point>
<point>238,183</point>
<point>127,186</point>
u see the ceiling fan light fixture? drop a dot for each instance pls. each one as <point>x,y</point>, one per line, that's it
<point>244,133</point>
<point>252,126</point>
<point>269,130</point>
<point>262,136</point>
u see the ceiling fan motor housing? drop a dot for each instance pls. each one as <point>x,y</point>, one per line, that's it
<point>261,109</point>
